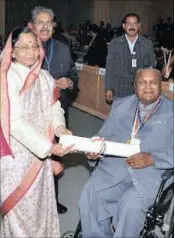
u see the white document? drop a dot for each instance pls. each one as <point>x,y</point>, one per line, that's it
<point>102,71</point>
<point>79,66</point>
<point>134,63</point>
<point>84,144</point>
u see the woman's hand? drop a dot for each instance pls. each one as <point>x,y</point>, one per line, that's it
<point>59,150</point>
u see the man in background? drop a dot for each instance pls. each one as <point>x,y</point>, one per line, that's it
<point>58,62</point>
<point>126,54</point>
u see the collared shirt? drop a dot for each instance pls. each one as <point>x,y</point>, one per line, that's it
<point>131,44</point>
<point>144,110</point>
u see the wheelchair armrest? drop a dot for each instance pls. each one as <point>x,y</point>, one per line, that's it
<point>167,174</point>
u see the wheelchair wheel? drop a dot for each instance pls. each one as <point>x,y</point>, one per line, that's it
<point>70,234</point>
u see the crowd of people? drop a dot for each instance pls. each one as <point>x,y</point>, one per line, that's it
<point>39,81</point>
<point>164,31</point>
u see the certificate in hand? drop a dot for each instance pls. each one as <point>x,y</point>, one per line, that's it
<point>84,144</point>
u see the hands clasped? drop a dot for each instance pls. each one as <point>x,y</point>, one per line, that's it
<point>59,150</point>
<point>64,83</point>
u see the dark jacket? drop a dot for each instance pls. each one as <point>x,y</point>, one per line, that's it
<point>97,52</point>
<point>61,64</point>
<point>120,74</point>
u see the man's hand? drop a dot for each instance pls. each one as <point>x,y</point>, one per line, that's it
<point>94,156</point>
<point>62,130</point>
<point>140,160</point>
<point>64,83</point>
<point>109,95</point>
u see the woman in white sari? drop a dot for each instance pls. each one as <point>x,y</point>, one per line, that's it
<point>30,116</point>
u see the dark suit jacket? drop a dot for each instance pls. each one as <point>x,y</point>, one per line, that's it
<point>62,65</point>
<point>120,74</point>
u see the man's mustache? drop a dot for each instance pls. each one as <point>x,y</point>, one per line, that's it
<point>45,30</point>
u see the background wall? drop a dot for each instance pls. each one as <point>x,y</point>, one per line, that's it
<point>2,17</point>
<point>149,11</point>
<point>17,12</point>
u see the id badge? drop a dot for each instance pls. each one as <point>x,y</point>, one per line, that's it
<point>135,141</point>
<point>134,63</point>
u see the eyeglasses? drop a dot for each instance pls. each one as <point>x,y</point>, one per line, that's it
<point>26,49</point>
<point>43,23</point>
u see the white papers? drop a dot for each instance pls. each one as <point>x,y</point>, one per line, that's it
<point>79,66</point>
<point>111,148</point>
<point>102,71</point>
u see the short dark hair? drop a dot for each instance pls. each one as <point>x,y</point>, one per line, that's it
<point>131,15</point>
<point>17,32</point>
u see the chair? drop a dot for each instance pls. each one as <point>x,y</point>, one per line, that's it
<point>159,222</point>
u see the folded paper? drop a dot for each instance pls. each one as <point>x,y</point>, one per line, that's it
<point>84,144</point>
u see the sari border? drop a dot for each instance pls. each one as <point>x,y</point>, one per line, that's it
<point>22,188</point>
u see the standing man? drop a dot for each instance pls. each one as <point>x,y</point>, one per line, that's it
<point>58,62</point>
<point>126,54</point>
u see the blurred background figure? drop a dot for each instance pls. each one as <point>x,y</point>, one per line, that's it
<point>109,32</point>
<point>97,49</point>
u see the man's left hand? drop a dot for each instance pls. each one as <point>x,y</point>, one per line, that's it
<point>62,130</point>
<point>140,160</point>
<point>64,83</point>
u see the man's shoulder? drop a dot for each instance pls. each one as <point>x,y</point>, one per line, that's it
<point>167,104</point>
<point>144,40</point>
<point>60,44</point>
<point>118,40</point>
<point>125,101</point>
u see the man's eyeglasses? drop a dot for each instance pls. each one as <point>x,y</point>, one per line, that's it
<point>43,23</point>
<point>26,49</point>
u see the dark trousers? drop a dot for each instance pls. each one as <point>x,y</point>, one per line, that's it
<point>64,103</point>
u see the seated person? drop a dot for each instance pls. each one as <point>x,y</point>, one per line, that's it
<point>122,189</point>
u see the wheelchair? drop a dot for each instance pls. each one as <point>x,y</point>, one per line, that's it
<point>159,221</point>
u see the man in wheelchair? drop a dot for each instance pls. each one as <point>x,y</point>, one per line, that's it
<point>122,189</point>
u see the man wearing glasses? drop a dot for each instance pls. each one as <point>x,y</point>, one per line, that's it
<point>126,54</point>
<point>58,62</point>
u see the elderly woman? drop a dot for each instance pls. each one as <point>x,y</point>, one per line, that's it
<point>30,116</point>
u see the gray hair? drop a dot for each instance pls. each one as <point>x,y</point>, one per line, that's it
<point>149,68</point>
<point>39,9</point>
